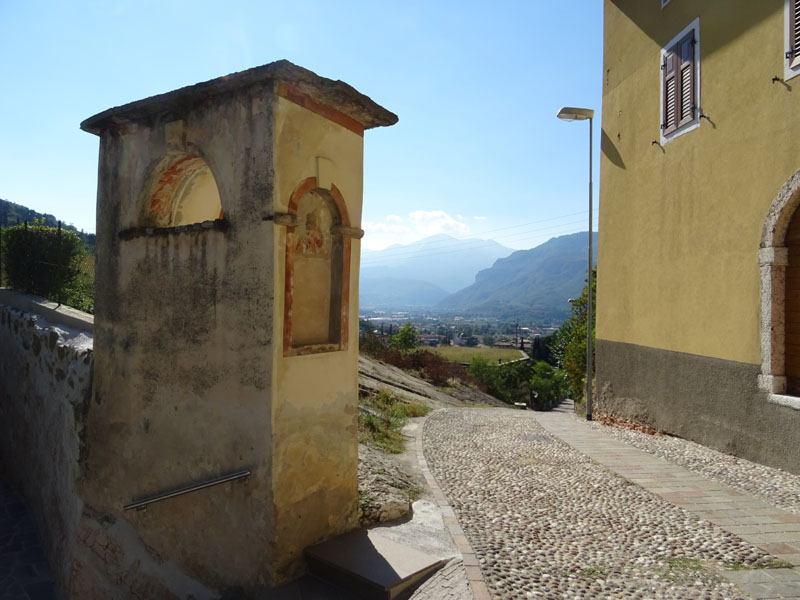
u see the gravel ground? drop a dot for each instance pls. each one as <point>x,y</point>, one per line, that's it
<point>775,486</point>
<point>547,522</point>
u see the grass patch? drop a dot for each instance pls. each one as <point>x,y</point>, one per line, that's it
<point>593,572</point>
<point>465,354</point>
<point>681,569</point>
<point>382,418</point>
<point>776,563</point>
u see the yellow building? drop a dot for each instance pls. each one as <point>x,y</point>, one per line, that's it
<point>698,324</point>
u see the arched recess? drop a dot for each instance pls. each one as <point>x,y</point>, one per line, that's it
<point>182,191</point>
<point>774,257</point>
<point>317,275</point>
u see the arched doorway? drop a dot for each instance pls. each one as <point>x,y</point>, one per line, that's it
<point>779,262</point>
<point>792,306</point>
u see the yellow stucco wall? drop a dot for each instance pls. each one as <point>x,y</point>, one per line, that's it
<point>315,396</point>
<point>679,229</point>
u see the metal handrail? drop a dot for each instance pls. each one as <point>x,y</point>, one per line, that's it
<point>143,502</point>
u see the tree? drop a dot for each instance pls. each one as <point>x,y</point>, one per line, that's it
<point>549,384</point>
<point>488,340</point>
<point>540,349</point>
<point>46,261</point>
<point>569,341</point>
<point>406,338</point>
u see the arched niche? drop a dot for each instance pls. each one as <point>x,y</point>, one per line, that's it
<point>317,278</point>
<point>182,191</point>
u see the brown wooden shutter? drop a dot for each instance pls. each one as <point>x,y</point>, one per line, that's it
<point>793,55</point>
<point>686,101</point>
<point>670,90</point>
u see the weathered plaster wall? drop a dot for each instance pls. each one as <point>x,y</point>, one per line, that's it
<point>45,388</point>
<point>691,213</point>
<point>46,364</point>
<point>183,343</point>
<point>711,401</point>
<point>315,464</point>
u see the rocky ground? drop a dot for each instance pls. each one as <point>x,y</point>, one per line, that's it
<point>389,483</point>
<point>375,375</point>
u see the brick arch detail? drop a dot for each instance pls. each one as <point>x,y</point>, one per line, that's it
<point>166,175</point>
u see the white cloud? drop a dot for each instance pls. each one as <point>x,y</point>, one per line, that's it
<point>483,219</point>
<point>460,217</point>
<point>403,230</point>
<point>432,222</point>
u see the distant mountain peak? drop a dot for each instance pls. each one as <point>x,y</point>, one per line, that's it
<point>535,283</point>
<point>443,260</point>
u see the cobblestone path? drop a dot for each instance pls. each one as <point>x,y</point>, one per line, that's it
<point>547,522</point>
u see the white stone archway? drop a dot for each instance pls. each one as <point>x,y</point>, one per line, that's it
<point>772,260</point>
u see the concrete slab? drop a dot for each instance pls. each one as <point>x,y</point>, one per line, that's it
<point>371,564</point>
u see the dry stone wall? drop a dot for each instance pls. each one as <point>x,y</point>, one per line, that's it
<point>45,389</point>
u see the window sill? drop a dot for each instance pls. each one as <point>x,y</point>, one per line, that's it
<point>135,232</point>
<point>683,130</point>
<point>780,399</point>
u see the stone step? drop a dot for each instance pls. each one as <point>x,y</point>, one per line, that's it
<point>371,566</point>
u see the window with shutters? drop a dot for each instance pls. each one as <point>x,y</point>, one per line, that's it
<point>680,83</point>
<point>792,38</point>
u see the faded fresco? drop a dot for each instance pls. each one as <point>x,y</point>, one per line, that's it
<point>314,294</point>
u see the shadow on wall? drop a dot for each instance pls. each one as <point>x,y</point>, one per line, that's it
<point>610,150</point>
<point>661,26</point>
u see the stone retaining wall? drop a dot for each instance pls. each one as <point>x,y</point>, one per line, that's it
<point>45,390</point>
<point>46,372</point>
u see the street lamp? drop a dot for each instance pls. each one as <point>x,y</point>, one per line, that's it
<point>569,113</point>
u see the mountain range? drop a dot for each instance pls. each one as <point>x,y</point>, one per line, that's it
<point>442,260</point>
<point>533,284</point>
<point>485,278</point>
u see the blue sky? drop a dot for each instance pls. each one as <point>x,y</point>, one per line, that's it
<point>478,151</point>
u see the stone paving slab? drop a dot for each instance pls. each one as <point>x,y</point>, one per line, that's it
<point>774,530</point>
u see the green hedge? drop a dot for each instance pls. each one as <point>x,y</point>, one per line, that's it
<point>48,262</point>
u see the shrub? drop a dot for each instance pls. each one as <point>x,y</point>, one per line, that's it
<point>46,261</point>
<point>568,343</point>
<point>372,345</point>
<point>507,382</point>
<point>549,384</point>
<point>429,365</point>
